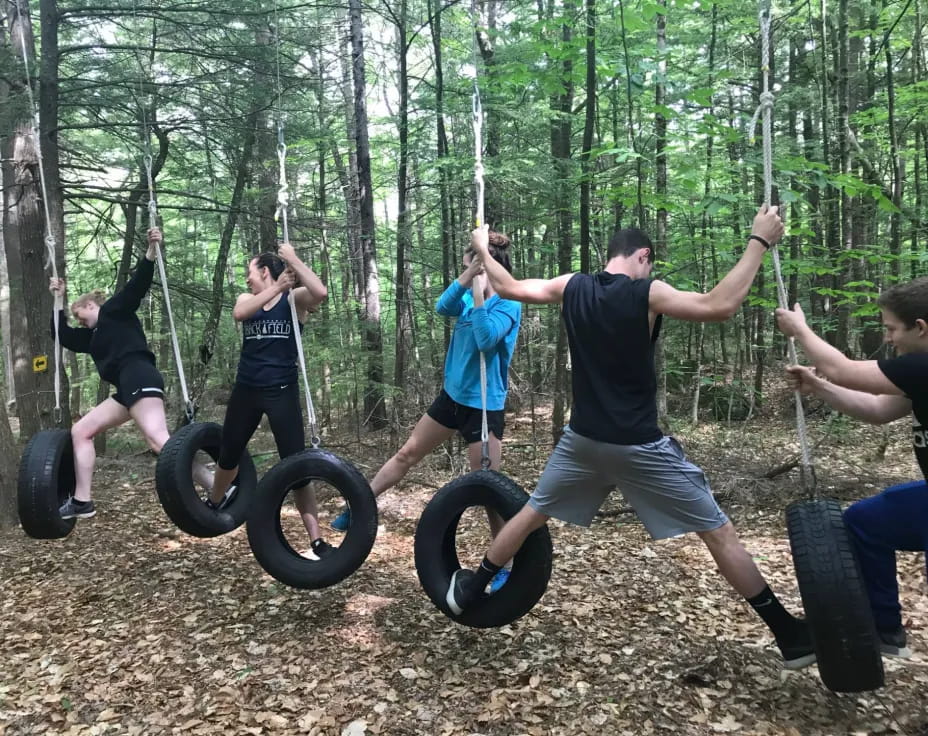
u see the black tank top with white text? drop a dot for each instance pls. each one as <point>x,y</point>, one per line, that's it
<point>268,347</point>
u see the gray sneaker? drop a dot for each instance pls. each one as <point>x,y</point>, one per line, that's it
<point>74,509</point>
<point>893,644</point>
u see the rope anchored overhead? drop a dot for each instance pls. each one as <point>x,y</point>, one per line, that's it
<point>764,112</point>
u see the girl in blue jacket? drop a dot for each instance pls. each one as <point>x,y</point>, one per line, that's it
<point>485,323</point>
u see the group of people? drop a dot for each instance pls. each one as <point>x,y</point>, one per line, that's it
<point>613,320</point>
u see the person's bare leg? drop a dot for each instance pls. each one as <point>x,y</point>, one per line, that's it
<point>733,560</point>
<point>305,499</point>
<point>513,535</point>
<point>107,414</point>
<point>150,418</point>
<point>426,436</point>
<point>475,456</point>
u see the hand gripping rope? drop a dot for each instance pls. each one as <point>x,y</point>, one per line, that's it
<point>765,112</point>
<point>283,201</point>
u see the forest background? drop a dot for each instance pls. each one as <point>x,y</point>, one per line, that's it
<point>597,116</point>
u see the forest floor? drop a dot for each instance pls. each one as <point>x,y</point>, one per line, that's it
<point>131,627</point>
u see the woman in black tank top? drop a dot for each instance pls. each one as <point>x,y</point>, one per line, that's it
<point>267,380</point>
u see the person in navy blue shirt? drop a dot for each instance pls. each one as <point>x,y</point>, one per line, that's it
<point>267,380</point>
<point>879,391</point>
<point>485,323</point>
<point>111,332</point>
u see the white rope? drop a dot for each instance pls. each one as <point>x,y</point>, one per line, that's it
<point>477,122</point>
<point>51,244</point>
<point>189,407</point>
<point>765,112</point>
<point>283,201</point>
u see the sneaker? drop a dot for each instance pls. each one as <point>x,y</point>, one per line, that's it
<point>322,549</point>
<point>893,644</point>
<point>798,652</point>
<point>499,580</point>
<point>226,500</point>
<point>74,509</point>
<point>341,522</point>
<point>459,595</point>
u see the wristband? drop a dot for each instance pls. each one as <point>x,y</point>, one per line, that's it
<point>760,240</point>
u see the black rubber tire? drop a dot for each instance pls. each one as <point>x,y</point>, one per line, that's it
<point>45,482</point>
<point>266,536</point>
<point>834,597</point>
<point>179,496</point>
<point>437,558</point>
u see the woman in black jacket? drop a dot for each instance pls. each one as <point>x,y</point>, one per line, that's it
<point>111,332</point>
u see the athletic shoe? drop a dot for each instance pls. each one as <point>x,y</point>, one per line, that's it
<point>322,549</point>
<point>341,522</point>
<point>893,644</point>
<point>459,594</point>
<point>798,652</point>
<point>226,500</point>
<point>74,509</point>
<point>499,580</point>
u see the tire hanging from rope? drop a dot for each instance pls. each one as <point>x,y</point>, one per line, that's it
<point>266,535</point>
<point>46,469</point>
<point>827,571</point>
<point>436,533</point>
<point>178,494</point>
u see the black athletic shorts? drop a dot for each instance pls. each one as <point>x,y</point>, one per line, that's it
<point>465,419</point>
<point>138,379</point>
<point>246,406</point>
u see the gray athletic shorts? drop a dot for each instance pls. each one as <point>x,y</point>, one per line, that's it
<point>670,495</point>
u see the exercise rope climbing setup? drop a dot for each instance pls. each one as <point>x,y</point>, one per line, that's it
<point>436,533</point>
<point>46,471</point>
<point>829,579</point>
<point>312,467</point>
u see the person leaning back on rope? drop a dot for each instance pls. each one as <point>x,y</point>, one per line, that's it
<point>879,391</point>
<point>267,380</point>
<point>112,333</point>
<point>612,320</point>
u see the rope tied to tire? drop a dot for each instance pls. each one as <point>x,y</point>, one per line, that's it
<point>436,533</point>
<point>266,535</point>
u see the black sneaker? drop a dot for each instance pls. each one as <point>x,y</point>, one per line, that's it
<point>224,503</point>
<point>893,644</point>
<point>74,509</point>
<point>798,651</point>
<point>322,549</point>
<point>460,595</point>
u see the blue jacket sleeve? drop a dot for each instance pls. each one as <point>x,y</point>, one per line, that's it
<point>75,339</point>
<point>491,326</point>
<point>128,299</point>
<point>450,303</point>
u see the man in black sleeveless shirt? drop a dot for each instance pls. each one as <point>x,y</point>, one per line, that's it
<point>612,320</point>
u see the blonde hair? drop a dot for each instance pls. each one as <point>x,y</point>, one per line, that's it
<point>97,296</point>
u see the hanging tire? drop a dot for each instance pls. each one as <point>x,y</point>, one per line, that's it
<point>179,496</point>
<point>266,536</point>
<point>45,482</point>
<point>437,558</point>
<point>834,597</point>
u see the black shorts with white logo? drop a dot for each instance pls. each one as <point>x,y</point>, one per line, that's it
<point>138,379</point>
<point>465,419</point>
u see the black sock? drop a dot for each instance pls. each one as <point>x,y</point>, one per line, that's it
<point>484,574</point>
<point>780,621</point>
<point>317,543</point>
<point>80,503</point>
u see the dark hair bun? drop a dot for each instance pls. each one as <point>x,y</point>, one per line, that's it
<point>499,241</point>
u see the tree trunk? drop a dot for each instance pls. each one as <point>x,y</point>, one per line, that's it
<point>374,410</point>
<point>23,229</point>
<point>660,244</point>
